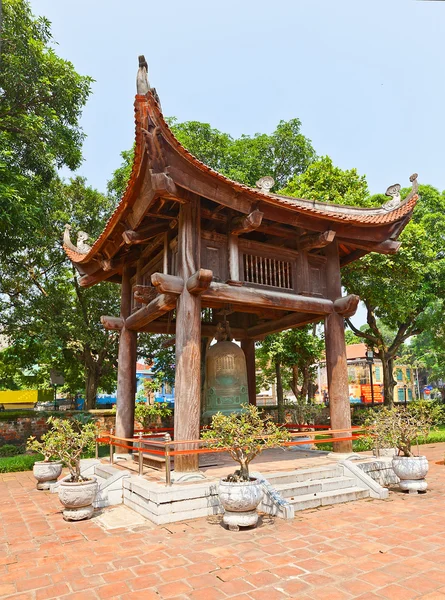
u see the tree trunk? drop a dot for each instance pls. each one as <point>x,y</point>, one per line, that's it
<point>388,379</point>
<point>305,386</point>
<point>280,396</point>
<point>91,385</point>
<point>294,381</point>
<point>244,471</point>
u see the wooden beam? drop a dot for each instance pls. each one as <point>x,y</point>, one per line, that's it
<point>248,347</point>
<point>157,307</point>
<point>126,364</point>
<point>188,335</point>
<point>207,329</point>
<point>144,293</point>
<point>247,223</point>
<point>316,240</point>
<point>347,305</point>
<point>336,362</point>
<point>144,235</point>
<point>233,251</point>
<point>265,298</point>
<point>89,280</point>
<point>167,284</point>
<point>112,323</point>
<point>199,281</point>
<point>287,322</point>
<point>386,247</point>
<point>355,255</point>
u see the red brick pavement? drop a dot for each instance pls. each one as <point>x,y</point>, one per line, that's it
<point>368,549</point>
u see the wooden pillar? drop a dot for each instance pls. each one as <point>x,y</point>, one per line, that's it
<point>248,346</point>
<point>126,369</point>
<point>336,363</point>
<point>188,336</point>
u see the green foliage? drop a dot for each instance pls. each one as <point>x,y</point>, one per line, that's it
<point>50,321</point>
<point>149,415</point>
<point>22,462</point>
<point>293,353</point>
<point>244,435</point>
<point>9,450</point>
<point>283,154</point>
<point>324,182</point>
<point>351,338</point>
<point>67,440</point>
<point>41,97</point>
<point>401,427</point>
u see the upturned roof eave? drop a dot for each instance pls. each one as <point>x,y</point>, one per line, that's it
<point>147,107</point>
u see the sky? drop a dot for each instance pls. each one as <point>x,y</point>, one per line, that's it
<point>365,77</point>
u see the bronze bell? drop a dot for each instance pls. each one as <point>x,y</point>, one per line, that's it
<point>226,377</point>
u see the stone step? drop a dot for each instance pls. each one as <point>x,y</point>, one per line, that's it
<point>348,494</point>
<point>304,488</point>
<point>300,475</point>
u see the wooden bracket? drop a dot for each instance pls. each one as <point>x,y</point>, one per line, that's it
<point>144,293</point>
<point>167,284</point>
<point>199,281</point>
<point>144,235</point>
<point>248,223</point>
<point>316,240</point>
<point>347,305</point>
<point>112,323</point>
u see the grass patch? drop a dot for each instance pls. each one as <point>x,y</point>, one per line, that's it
<point>22,462</point>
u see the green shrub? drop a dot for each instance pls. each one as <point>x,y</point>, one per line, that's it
<point>244,435</point>
<point>10,450</point>
<point>22,462</point>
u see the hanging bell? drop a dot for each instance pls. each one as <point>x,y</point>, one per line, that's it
<point>226,377</point>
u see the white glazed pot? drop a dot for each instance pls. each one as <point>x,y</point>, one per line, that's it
<point>411,471</point>
<point>240,501</point>
<point>46,473</point>
<point>78,498</point>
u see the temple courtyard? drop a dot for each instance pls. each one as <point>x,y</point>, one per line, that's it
<point>365,549</point>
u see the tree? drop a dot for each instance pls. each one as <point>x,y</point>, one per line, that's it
<point>48,319</point>
<point>289,358</point>
<point>325,182</point>
<point>282,154</point>
<point>397,290</point>
<point>41,98</point>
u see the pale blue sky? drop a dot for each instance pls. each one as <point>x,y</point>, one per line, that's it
<point>365,77</point>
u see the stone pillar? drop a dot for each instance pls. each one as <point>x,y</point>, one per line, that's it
<point>249,351</point>
<point>336,363</point>
<point>188,337</point>
<point>126,369</point>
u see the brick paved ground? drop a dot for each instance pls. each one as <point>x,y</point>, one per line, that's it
<point>368,549</point>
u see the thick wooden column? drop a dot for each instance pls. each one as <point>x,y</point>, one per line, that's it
<point>336,363</point>
<point>248,346</point>
<point>126,368</point>
<point>188,336</point>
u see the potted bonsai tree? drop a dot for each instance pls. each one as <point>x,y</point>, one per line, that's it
<point>400,428</point>
<point>48,470</point>
<point>69,439</point>
<point>244,435</point>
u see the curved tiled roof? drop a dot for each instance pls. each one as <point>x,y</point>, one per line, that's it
<point>147,106</point>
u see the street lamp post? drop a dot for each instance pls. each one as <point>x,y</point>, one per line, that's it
<point>370,361</point>
<point>56,379</point>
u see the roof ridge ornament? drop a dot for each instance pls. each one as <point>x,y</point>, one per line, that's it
<point>81,247</point>
<point>394,192</point>
<point>265,184</point>
<point>142,83</point>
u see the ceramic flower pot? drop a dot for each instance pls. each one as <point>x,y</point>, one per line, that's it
<point>78,498</point>
<point>411,471</point>
<point>240,501</point>
<point>46,473</point>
